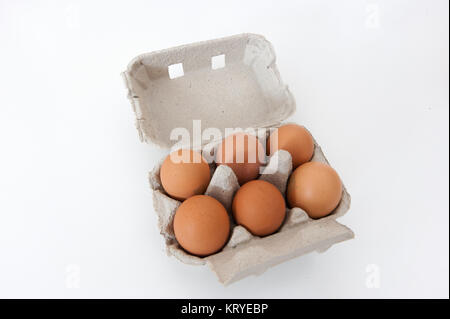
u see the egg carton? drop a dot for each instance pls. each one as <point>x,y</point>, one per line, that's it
<point>245,91</point>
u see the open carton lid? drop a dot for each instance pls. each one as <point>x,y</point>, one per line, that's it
<point>231,82</point>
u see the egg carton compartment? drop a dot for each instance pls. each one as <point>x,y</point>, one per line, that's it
<point>245,254</point>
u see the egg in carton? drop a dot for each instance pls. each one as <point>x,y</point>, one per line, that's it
<point>246,91</point>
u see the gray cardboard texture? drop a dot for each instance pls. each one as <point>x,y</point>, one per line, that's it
<point>246,92</point>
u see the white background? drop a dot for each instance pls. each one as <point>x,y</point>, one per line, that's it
<point>371,82</point>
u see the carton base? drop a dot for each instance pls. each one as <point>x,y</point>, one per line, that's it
<point>257,255</point>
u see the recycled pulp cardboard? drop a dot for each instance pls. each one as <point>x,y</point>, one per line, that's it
<point>245,91</point>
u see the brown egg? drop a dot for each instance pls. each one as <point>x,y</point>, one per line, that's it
<point>316,188</point>
<point>295,139</point>
<point>242,153</point>
<point>185,173</point>
<point>259,206</point>
<point>201,225</point>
